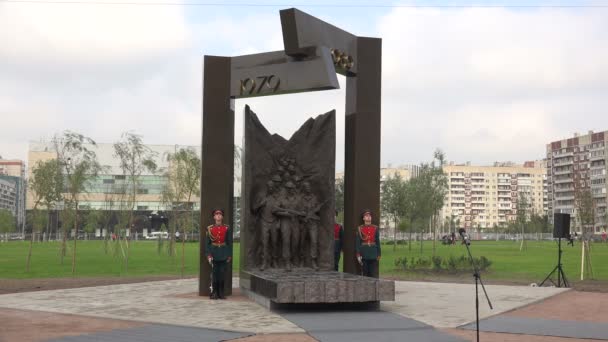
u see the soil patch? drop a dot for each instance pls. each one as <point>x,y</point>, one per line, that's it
<point>43,284</point>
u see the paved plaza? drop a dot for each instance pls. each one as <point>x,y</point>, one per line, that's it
<point>172,310</point>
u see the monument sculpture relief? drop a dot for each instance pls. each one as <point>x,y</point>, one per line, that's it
<point>288,195</point>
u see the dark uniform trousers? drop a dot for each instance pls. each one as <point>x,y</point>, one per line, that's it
<point>369,268</point>
<point>336,260</point>
<point>219,270</point>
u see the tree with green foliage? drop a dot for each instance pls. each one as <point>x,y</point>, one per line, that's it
<point>135,158</point>
<point>439,186</point>
<point>7,223</point>
<point>79,165</point>
<point>339,196</point>
<point>46,185</point>
<point>392,201</point>
<point>425,195</point>
<point>94,221</point>
<point>183,181</point>
<point>413,207</point>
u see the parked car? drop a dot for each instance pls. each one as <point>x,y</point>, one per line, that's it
<point>155,235</point>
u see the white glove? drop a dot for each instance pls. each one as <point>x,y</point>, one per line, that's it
<point>360,260</point>
<point>210,259</point>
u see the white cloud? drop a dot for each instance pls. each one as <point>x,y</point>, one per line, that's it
<point>490,84</point>
<point>89,33</point>
<point>483,84</point>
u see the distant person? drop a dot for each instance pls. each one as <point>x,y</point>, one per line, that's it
<point>367,245</point>
<point>604,236</point>
<point>465,240</point>
<point>571,239</point>
<point>338,235</point>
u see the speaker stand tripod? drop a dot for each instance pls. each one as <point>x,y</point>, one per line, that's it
<point>559,269</point>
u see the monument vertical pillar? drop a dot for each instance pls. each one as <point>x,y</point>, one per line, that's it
<point>362,143</point>
<point>217,172</point>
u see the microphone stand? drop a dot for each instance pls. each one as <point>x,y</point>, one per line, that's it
<point>477,281</point>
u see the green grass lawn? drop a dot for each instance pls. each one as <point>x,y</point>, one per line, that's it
<point>508,263</point>
<point>92,261</point>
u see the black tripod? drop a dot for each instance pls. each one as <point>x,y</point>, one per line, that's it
<point>477,281</point>
<point>560,271</point>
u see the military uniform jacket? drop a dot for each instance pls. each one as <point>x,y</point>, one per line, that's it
<point>338,235</point>
<point>367,242</point>
<point>218,242</point>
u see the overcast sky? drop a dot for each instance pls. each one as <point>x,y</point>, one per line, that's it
<point>484,84</point>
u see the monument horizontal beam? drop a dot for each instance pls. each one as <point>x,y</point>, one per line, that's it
<point>301,31</point>
<point>275,73</point>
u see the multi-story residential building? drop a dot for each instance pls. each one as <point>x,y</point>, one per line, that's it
<point>575,165</point>
<point>405,171</point>
<point>12,167</point>
<point>486,196</point>
<point>107,191</point>
<point>14,171</point>
<point>8,196</point>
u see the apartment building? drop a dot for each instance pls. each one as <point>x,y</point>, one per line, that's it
<point>8,196</point>
<point>575,165</point>
<point>405,171</point>
<point>485,197</point>
<point>13,171</point>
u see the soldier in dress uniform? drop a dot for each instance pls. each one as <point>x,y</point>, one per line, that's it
<point>367,245</point>
<point>338,235</point>
<point>219,251</point>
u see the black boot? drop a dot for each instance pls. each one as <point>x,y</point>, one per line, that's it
<point>221,289</point>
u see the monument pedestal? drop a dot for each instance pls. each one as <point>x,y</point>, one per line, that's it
<point>305,287</point>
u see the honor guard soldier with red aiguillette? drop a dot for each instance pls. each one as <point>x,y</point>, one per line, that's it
<point>338,237</point>
<point>367,245</point>
<point>219,251</point>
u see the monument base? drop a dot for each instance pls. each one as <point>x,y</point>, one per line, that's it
<point>303,287</point>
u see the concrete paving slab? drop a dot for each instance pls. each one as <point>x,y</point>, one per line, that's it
<point>449,305</point>
<point>172,302</point>
<point>542,327</point>
<point>377,326</point>
<point>156,333</point>
<point>154,302</point>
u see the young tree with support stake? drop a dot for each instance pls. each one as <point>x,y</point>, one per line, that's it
<point>522,218</point>
<point>79,166</point>
<point>46,185</point>
<point>585,212</point>
<point>183,182</point>
<point>135,159</point>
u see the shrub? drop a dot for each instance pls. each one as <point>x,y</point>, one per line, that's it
<point>401,262</point>
<point>437,260</point>
<point>451,264</point>
<point>483,263</point>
